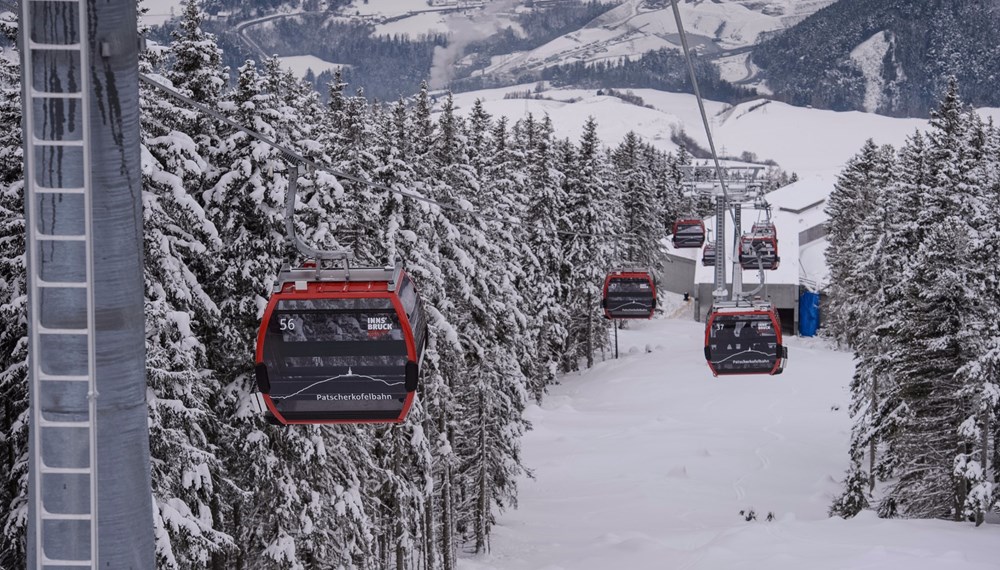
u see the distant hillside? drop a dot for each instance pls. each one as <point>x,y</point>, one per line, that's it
<point>887,56</point>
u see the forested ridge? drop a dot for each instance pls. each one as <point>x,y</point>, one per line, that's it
<point>388,66</point>
<point>929,40</point>
<point>914,247</point>
<point>512,297</point>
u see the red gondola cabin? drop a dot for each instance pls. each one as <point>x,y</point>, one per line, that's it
<point>744,340</point>
<point>708,255</point>
<point>629,294</point>
<point>340,347</point>
<point>689,233</point>
<point>759,252</point>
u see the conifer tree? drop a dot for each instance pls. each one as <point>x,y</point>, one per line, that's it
<point>941,323</point>
<point>642,212</point>
<point>195,69</point>
<point>494,395</point>
<point>853,195</point>
<point>183,392</point>
<point>13,318</point>
<point>542,265</point>
<point>593,212</point>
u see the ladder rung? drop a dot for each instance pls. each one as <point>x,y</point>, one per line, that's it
<point>65,470</point>
<point>42,422</point>
<point>44,142</point>
<point>43,377</point>
<point>54,237</point>
<point>48,190</point>
<point>42,329</point>
<point>62,284</point>
<point>48,515</point>
<point>54,47</point>
<point>46,561</point>
<point>55,95</point>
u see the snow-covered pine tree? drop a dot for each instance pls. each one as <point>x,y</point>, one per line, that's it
<point>410,237</point>
<point>494,395</point>
<point>911,182</point>
<point>992,436</point>
<point>670,191</point>
<point>13,318</point>
<point>642,212</point>
<point>444,362</point>
<point>194,67</point>
<point>591,208</point>
<point>465,257</point>
<point>349,142</point>
<point>182,392</point>
<point>941,324</point>
<point>543,262</point>
<point>875,268</point>
<point>852,197</point>
<point>980,391</point>
<point>879,411</point>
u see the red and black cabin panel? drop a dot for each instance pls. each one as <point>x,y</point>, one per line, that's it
<point>744,341</point>
<point>708,255</point>
<point>333,350</point>
<point>759,252</point>
<point>629,294</point>
<point>689,233</point>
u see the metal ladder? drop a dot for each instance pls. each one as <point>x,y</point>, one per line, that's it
<point>62,338</point>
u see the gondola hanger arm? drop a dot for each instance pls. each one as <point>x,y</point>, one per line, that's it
<point>292,236</point>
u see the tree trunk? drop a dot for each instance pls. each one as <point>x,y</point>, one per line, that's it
<point>984,458</point>
<point>590,329</point>
<point>400,522</point>
<point>961,487</point>
<point>447,522</point>
<point>483,503</point>
<point>430,546</point>
<point>871,443</point>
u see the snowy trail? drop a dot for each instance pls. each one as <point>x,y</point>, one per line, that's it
<point>645,462</point>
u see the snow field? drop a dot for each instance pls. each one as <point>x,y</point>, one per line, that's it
<point>800,139</point>
<point>300,64</point>
<point>645,463</point>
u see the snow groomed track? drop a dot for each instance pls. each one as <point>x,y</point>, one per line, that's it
<point>647,462</point>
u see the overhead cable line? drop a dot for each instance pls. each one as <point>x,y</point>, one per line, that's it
<point>295,156</point>
<point>697,94</point>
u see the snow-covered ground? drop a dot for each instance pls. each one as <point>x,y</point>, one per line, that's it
<point>634,25</point>
<point>299,64</point>
<point>800,139</point>
<point>646,462</point>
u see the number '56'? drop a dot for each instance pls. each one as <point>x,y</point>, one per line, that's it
<point>286,324</point>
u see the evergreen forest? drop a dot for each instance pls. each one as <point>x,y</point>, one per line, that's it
<point>914,241</point>
<point>512,297</point>
<point>928,41</point>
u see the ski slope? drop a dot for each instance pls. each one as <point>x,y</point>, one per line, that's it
<point>646,462</point>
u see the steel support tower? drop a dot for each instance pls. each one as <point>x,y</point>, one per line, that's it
<point>89,474</point>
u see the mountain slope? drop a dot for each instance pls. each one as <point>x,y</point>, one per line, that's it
<point>893,55</point>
